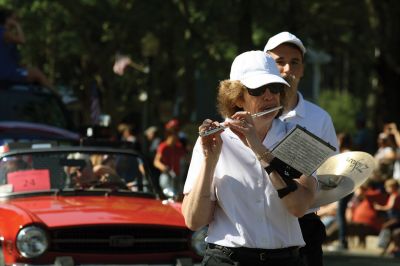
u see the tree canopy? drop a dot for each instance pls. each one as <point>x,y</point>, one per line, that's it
<point>194,42</point>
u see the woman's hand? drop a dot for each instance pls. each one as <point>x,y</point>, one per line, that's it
<point>242,124</point>
<point>211,144</point>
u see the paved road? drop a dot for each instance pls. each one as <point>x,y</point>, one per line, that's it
<point>359,260</point>
<point>348,259</point>
<point>357,256</point>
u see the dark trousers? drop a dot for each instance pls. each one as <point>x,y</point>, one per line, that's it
<point>314,234</point>
<point>221,256</point>
<point>341,220</point>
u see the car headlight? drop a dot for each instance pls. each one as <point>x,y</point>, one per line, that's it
<point>32,241</point>
<point>198,241</point>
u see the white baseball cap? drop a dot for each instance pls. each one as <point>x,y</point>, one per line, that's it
<point>255,69</point>
<point>283,37</point>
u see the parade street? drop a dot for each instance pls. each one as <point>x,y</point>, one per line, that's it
<point>357,256</point>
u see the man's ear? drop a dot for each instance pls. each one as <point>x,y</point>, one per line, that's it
<point>303,68</point>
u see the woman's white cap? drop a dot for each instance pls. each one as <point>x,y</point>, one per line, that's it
<point>255,69</point>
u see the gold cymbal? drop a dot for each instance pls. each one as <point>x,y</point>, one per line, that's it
<point>341,174</point>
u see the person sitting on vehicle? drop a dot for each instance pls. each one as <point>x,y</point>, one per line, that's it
<point>81,176</point>
<point>11,35</point>
<point>11,166</point>
<point>105,168</point>
<point>107,177</point>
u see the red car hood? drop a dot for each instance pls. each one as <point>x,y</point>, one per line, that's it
<point>59,211</point>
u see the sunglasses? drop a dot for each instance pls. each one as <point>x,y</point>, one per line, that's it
<point>274,88</point>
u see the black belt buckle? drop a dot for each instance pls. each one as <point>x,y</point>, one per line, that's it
<point>263,256</point>
<point>227,251</point>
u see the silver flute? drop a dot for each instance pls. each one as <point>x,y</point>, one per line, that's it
<point>221,127</point>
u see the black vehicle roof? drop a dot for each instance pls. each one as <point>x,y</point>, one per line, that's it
<point>42,148</point>
<point>27,102</point>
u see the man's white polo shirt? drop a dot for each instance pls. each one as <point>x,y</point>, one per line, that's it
<point>314,119</point>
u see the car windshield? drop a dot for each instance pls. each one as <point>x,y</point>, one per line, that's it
<point>79,170</point>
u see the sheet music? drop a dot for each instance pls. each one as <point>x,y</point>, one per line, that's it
<point>303,150</point>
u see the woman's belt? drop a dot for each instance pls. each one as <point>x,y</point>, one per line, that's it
<point>243,253</point>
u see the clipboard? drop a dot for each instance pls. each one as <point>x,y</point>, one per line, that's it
<point>300,152</point>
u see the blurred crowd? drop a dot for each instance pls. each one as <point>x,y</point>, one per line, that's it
<point>374,208</point>
<point>167,150</point>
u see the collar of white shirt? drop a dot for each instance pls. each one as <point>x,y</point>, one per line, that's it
<point>299,110</point>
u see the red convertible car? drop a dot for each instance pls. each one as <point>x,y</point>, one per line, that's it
<point>88,206</point>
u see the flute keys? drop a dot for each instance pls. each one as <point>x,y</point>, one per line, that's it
<point>211,131</point>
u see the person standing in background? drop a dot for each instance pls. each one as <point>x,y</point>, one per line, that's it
<point>385,155</point>
<point>345,145</point>
<point>391,128</point>
<point>288,52</point>
<point>11,35</point>
<point>392,211</point>
<point>169,159</point>
<point>151,142</point>
<point>362,138</point>
<point>128,134</point>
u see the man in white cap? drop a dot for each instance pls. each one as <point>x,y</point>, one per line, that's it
<point>288,52</point>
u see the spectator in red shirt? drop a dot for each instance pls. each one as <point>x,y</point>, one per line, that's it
<point>169,159</point>
<point>364,213</point>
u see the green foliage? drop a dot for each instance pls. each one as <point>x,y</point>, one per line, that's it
<point>75,43</point>
<point>343,108</point>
